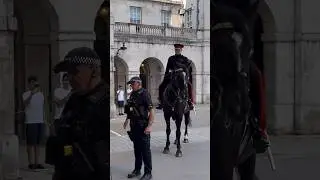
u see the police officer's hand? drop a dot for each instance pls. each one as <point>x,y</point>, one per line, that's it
<point>125,123</point>
<point>147,130</point>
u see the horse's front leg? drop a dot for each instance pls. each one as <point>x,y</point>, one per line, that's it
<point>168,132</point>
<point>186,121</point>
<point>178,135</point>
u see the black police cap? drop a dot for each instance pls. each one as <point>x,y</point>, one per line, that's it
<point>78,56</point>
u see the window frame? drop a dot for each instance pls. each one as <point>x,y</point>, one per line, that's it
<point>166,15</point>
<point>134,19</point>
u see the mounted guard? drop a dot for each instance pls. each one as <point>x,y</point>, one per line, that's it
<point>176,62</point>
<point>235,124</point>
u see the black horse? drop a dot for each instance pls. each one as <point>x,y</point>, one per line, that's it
<point>232,126</point>
<point>175,106</point>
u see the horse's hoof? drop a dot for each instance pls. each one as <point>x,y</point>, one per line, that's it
<point>185,140</point>
<point>166,151</point>
<point>178,154</point>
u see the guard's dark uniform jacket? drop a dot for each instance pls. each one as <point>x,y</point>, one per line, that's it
<point>138,107</point>
<point>176,62</point>
<point>82,137</point>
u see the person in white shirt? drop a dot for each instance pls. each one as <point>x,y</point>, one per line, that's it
<point>129,91</point>
<point>33,100</point>
<point>61,96</point>
<point>120,96</point>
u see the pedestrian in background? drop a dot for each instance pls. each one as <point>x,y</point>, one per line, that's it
<point>61,96</point>
<point>33,101</point>
<point>120,98</point>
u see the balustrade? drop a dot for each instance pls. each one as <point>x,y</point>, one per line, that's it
<point>152,30</point>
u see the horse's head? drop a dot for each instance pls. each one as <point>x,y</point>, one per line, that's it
<point>176,87</point>
<point>178,78</point>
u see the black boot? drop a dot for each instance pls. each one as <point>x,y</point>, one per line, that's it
<point>146,176</point>
<point>134,173</point>
<point>260,142</point>
<point>159,106</point>
<point>191,106</point>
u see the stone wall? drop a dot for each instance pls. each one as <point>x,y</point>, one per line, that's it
<point>9,147</point>
<point>151,11</point>
<point>138,51</point>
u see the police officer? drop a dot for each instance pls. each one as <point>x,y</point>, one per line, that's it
<point>140,114</point>
<point>81,148</point>
<point>174,62</point>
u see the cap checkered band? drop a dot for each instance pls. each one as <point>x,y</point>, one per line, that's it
<point>135,80</point>
<point>84,60</point>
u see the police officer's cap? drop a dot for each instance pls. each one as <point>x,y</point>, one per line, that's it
<point>178,46</point>
<point>78,56</point>
<point>134,79</point>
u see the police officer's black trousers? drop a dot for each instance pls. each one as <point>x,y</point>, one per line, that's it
<point>142,152</point>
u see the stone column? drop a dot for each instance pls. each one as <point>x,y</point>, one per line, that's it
<point>9,145</point>
<point>113,108</point>
<point>279,77</point>
<point>112,70</point>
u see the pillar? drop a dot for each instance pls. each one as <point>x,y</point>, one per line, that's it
<point>9,145</point>
<point>113,108</point>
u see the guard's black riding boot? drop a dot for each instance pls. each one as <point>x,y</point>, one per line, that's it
<point>134,173</point>
<point>260,142</point>
<point>160,104</point>
<point>146,176</point>
<point>191,106</point>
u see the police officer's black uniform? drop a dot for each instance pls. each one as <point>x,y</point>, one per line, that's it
<point>81,147</point>
<point>175,62</point>
<point>138,107</point>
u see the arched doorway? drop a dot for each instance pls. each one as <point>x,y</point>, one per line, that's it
<point>151,71</point>
<point>36,51</point>
<point>121,73</point>
<point>102,42</point>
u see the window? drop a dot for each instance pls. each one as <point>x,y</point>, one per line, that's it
<point>188,15</point>
<point>165,18</point>
<point>135,15</point>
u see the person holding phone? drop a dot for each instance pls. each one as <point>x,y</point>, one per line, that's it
<point>33,100</point>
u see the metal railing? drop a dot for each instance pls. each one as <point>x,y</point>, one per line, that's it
<point>152,30</point>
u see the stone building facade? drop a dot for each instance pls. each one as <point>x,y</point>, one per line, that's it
<point>149,29</point>
<point>36,34</point>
